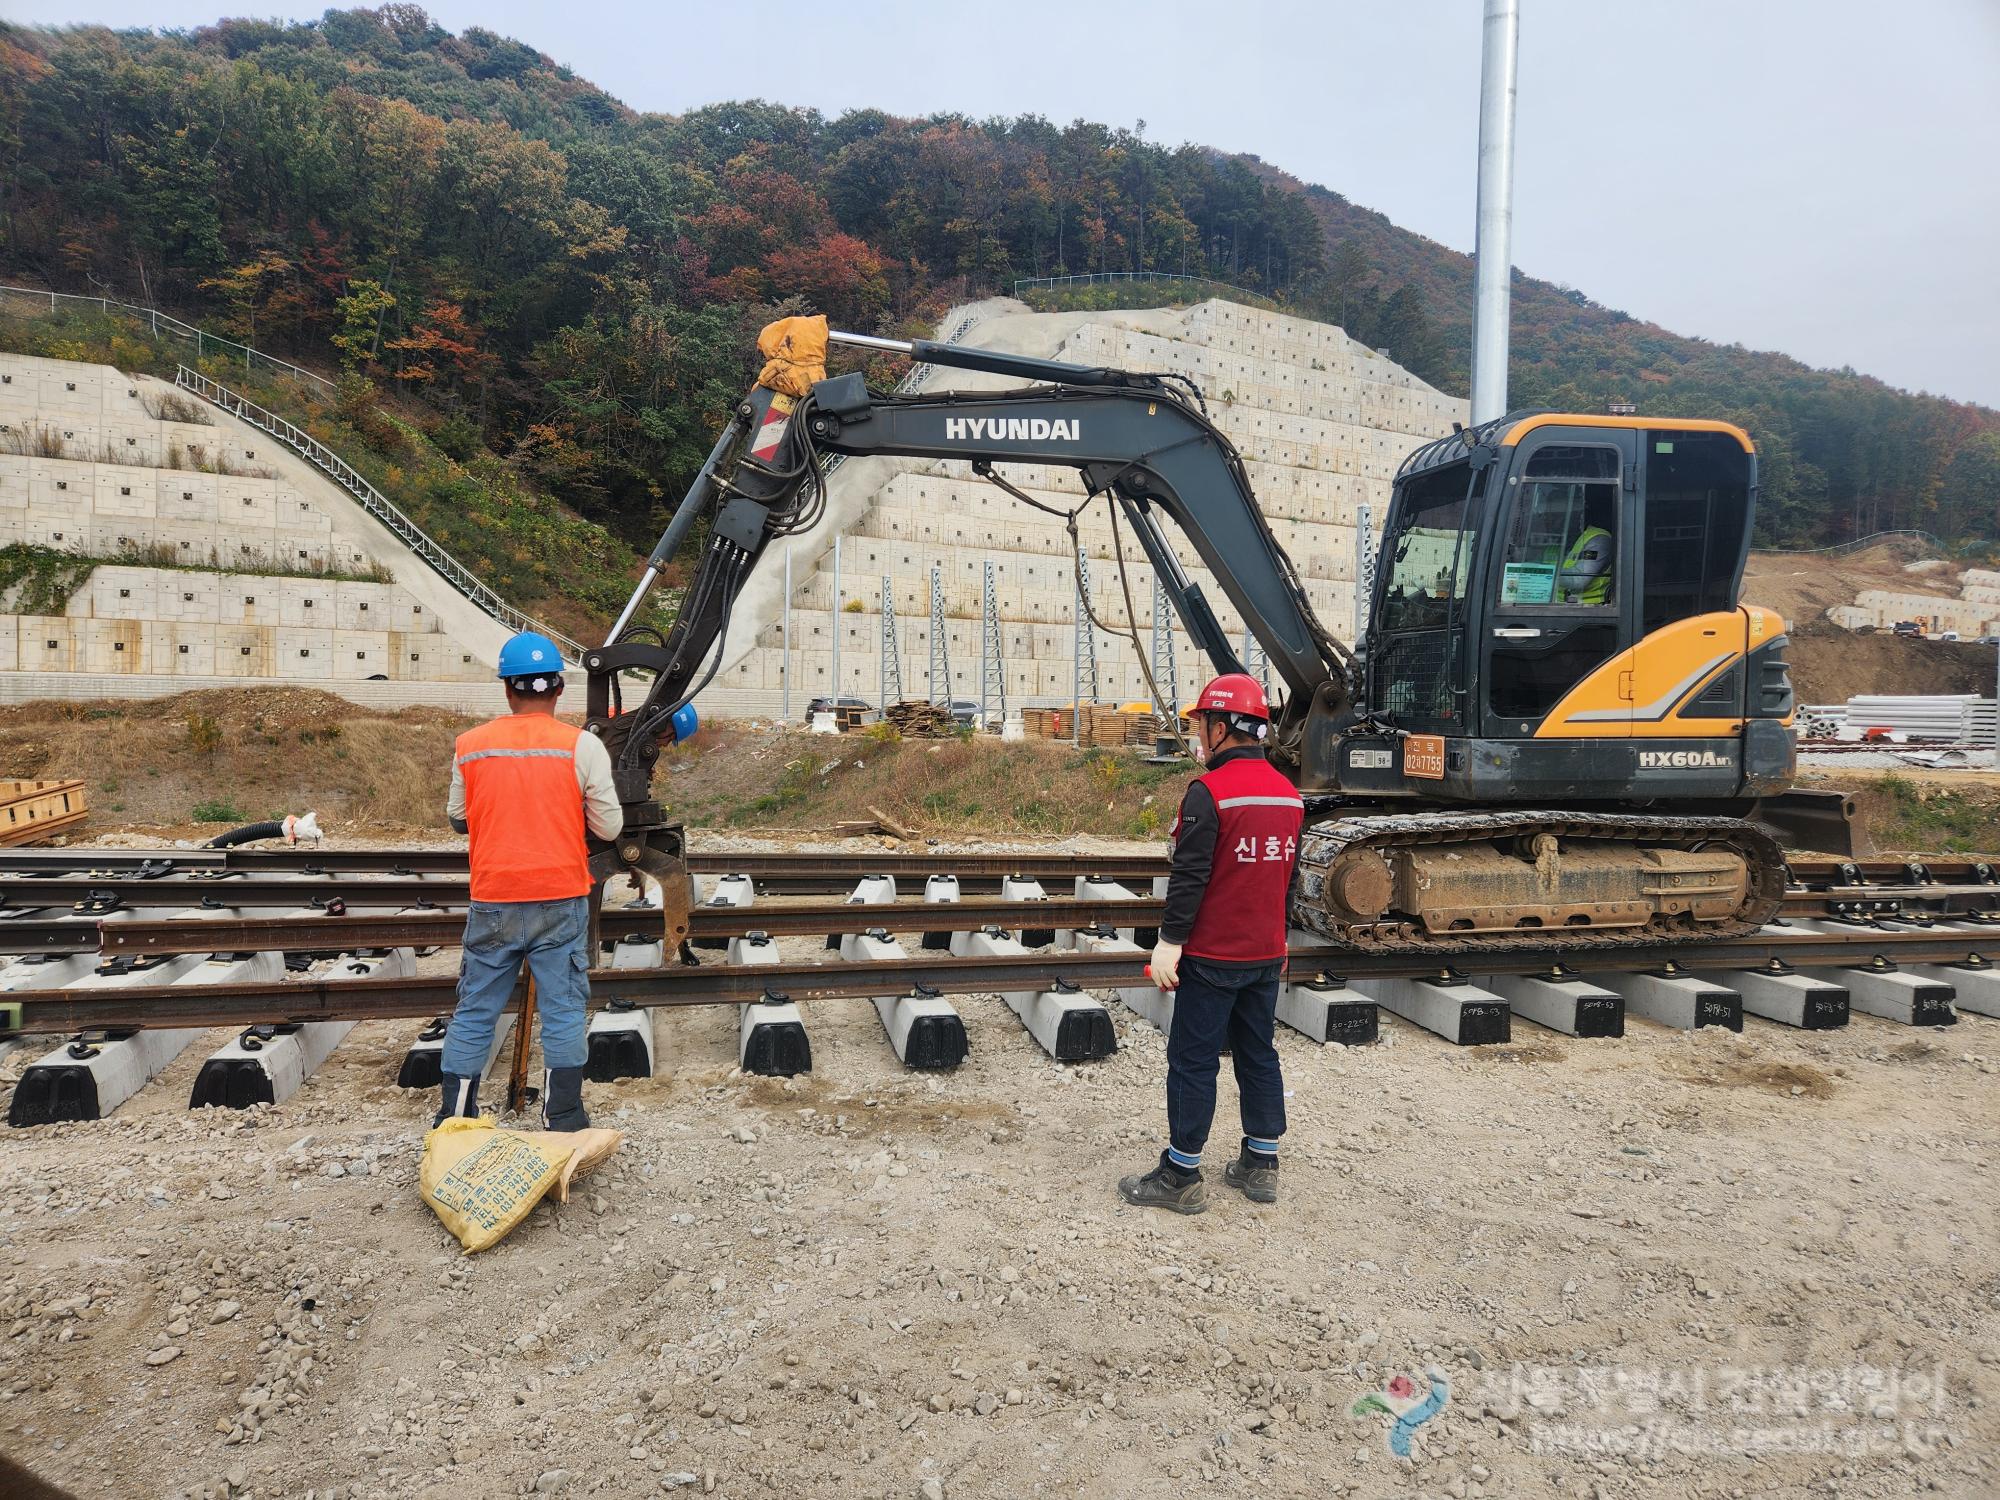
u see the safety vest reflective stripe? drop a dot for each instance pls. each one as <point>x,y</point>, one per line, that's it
<point>1259,813</point>
<point>467,759</point>
<point>524,809</point>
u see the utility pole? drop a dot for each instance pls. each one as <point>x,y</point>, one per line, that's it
<point>1493,249</point>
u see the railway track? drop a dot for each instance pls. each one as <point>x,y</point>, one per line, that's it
<point>131,954</point>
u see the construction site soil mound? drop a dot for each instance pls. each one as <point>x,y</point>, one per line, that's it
<point>1803,586</point>
<point>1831,665</point>
<point>876,1283</point>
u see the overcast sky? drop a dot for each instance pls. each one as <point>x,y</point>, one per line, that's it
<point>1816,176</point>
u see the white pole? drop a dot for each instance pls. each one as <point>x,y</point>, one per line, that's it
<point>836,625</point>
<point>785,641</point>
<point>1492,289</point>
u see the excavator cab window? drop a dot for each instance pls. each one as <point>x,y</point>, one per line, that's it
<point>1698,510</point>
<point>1427,575</point>
<point>1564,574</point>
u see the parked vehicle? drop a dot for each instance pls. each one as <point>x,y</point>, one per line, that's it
<point>1909,628</point>
<point>1947,635</point>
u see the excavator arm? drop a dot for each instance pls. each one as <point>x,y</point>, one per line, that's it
<point>1457,880</point>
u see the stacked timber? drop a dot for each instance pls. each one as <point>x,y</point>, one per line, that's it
<point>31,812</point>
<point>1102,725</point>
<point>918,720</point>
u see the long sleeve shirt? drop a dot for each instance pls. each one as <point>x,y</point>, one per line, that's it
<point>602,813</point>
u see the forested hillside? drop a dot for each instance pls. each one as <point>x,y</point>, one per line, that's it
<point>459,218</point>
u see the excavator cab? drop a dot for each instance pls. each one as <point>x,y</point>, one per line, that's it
<point>1556,618</point>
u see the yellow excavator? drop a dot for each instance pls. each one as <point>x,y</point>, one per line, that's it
<point>1564,726</point>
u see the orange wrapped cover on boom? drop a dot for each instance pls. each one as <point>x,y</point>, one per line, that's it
<point>794,350</point>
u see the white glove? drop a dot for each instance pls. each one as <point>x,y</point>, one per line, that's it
<point>1166,965</point>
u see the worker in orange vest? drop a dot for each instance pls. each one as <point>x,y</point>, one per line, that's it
<point>525,787</point>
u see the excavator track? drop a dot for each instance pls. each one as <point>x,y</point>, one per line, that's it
<point>1365,855</point>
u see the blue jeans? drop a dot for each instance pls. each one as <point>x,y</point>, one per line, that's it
<point>1216,1003</point>
<point>553,939</point>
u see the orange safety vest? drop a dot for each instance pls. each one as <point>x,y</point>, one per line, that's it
<point>524,809</point>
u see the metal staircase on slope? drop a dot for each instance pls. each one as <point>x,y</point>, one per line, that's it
<point>323,458</point>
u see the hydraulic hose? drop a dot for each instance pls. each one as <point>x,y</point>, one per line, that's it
<point>249,833</point>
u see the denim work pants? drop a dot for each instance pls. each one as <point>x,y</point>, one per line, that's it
<point>553,939</point>
<point>1216,1004</point>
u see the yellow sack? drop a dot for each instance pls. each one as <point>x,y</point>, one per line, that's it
<point>482,1181</point>
<point>795,353</point>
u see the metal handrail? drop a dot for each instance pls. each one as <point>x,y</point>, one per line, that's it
<point>374,501</point>
<point>165,323</point>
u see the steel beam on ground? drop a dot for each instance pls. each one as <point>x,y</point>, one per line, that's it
<point>323,999</point>
<point>710,926</point>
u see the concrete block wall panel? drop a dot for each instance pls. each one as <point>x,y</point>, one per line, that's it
<point>46,643</point>
<point>79,504</point>
<point>128,490</point>
<point>10,643</point>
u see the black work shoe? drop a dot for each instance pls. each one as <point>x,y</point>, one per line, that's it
<point>460,1093</point>
<point>562,1100</point>
<point>1166,1187</point>
<point>1255,1177</point>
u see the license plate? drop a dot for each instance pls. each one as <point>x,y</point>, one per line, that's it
<point>1423,755</point>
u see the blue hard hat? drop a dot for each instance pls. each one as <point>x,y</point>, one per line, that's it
<point>530,654</point>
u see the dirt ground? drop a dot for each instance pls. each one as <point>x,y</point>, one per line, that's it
<point>1672,1264</point>
<point>1831,665</point>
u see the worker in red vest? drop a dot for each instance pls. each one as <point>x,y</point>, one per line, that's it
<point>1235,846</point>
<point>525,787</point>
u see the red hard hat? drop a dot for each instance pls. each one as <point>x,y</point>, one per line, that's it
<point>1234,693</point>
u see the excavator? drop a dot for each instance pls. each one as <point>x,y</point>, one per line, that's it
<point>1562,728</point>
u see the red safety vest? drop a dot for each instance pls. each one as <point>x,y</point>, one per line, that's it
<point>1242,918</point>
<point>524,809</point>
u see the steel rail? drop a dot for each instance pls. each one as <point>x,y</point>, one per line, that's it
<point>428,929</point>
<point>1808,870</point>
<point>91,896</point>
<point>758,864</point>
<point>446,928</point>
<point>285,1002</point>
